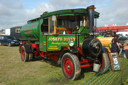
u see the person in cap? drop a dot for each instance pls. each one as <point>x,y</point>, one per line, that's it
<point>115,44</point>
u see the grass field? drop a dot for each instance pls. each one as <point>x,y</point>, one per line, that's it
<point>40,72</point>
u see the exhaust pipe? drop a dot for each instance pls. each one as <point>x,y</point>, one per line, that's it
<point>90,10</point>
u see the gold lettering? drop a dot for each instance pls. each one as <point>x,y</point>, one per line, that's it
<point>52,48</point>
<point>64,43</point>
<point>54,39</point>
<point>61,39</point>
<point>57,43</point>
<point>67,39</point>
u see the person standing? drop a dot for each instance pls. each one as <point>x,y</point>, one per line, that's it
<point>126,48</point>
<point>114,34</point>
<point>120,48</point>
<point>115,46</point>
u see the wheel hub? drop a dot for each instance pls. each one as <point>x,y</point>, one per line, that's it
<point>68,67</point>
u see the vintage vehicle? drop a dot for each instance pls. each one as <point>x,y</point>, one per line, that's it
<point>64,36</point>
<point>105,39</point>
<point>107,36</point>
<point>8,40</point>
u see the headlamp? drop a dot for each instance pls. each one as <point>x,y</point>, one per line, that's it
<point>12,42</point>
<point>71,43</point>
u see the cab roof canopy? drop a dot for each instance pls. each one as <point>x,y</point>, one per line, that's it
<point>68,12</point>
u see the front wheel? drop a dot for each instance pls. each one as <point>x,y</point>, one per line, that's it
<point>105,63</point>
<point>24,54</point>
<point>70,66</point>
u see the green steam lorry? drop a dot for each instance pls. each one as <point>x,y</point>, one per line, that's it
<point>65,37</point>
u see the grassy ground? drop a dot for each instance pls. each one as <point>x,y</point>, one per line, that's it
<point>40,72</point>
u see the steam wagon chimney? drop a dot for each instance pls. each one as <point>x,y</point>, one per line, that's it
<point>90,10</point>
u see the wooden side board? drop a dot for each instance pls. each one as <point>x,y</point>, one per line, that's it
<point>115,63</point>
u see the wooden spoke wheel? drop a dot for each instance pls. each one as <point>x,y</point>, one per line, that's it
<point>24,54</point>
<point>70,66</point>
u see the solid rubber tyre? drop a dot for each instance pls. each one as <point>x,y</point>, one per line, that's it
<point>24,54</point>
<point>70,66</point>
<point>105,63</point>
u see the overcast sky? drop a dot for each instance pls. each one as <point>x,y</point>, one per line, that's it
<point>18,12</point>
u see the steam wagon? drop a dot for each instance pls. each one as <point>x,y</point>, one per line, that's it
<point>65,37</point>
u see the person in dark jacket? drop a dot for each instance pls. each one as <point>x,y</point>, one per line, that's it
<point>115,46</point>
<point>114,34</point>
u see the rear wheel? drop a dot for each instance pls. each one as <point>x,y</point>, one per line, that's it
<point>24,54</point>
<point>105,63</point>
<point>70,66</point>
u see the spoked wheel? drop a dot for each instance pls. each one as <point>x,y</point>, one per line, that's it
<point>70,66</point>
<point>105,63</point>
<point>24,54</point>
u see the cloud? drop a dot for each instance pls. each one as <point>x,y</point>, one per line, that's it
<point>8,10</point>
<point>16,15</point>
<point>3,10</point>
<point>115,12</point>
<point>12,12</point>
<point>14,4</point>
<point>64,4</point>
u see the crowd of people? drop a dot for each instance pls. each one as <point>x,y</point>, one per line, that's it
<point>117,47</point>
